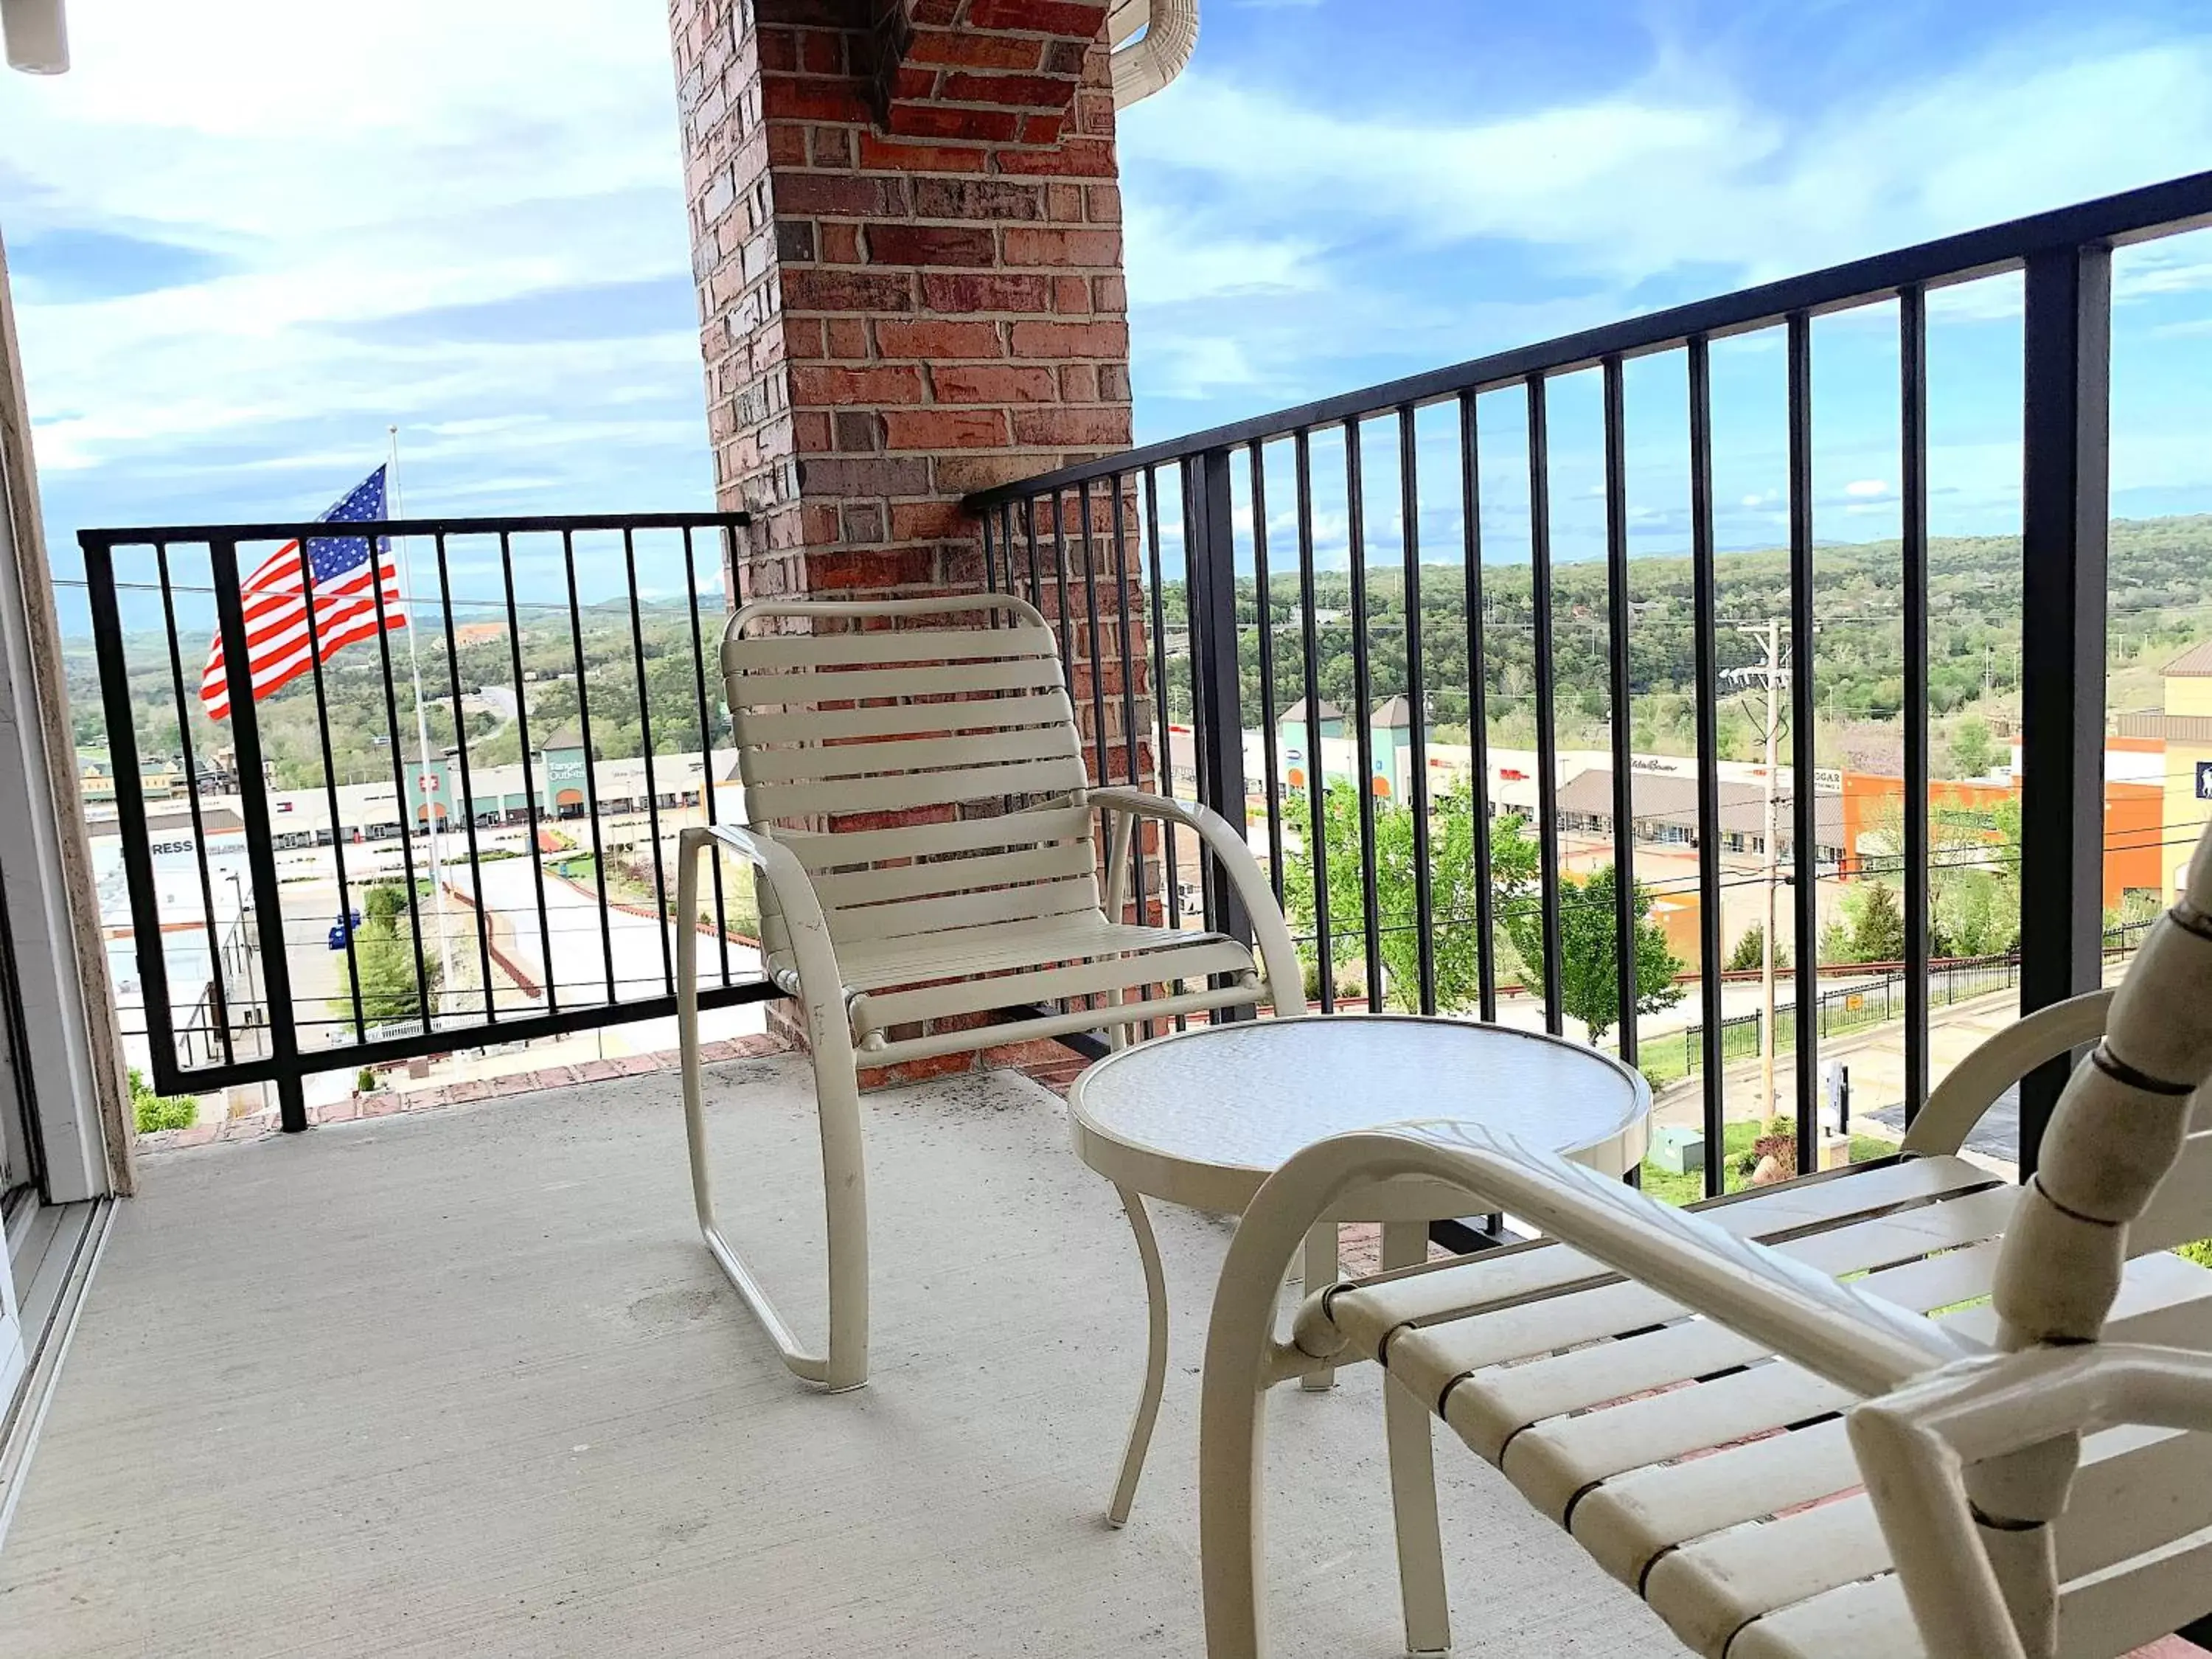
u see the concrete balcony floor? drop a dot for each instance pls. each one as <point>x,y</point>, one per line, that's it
<point>464,1382</point>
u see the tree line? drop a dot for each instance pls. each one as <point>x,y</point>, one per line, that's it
<point>2161,598</point>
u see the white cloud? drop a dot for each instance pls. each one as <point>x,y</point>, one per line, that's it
<point>341,172</point>
<point>1672,184</point>
<point>1173,259</point>
<point>1675,168</point>
<point>1866,487</point>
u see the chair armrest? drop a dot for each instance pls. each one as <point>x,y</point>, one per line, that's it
<point>806,930</point>
<point>1914,1447</point>
<point>1969,1089</point>
<point>1286,978</point>
<point>1830,1328</point>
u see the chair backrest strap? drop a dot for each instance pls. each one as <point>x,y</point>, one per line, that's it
<point>920,756</point>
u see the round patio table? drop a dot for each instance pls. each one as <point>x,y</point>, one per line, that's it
<point>1203,1118</point>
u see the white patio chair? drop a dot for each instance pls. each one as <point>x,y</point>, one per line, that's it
<point>2012,1375</point>
<point>970,889</point>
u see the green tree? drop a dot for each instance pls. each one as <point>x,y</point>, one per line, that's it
<point>382,905</point>
<point>1870,929</point>
<point>1589,983</point>
<point>1974,876</point>
<point>1973,753</point>
<point>1454,882</point>
<point>384,965</point>
<point>1977,915</point>
<point>1750,951</point>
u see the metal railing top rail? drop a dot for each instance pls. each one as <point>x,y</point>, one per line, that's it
<point>2153,211</point>
<point>513,524</point>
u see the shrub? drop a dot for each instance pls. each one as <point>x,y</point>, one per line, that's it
<point>156,1112</point>
<point>381,905</point>
<point>1351,979</point>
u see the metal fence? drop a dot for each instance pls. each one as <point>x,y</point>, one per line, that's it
<point>1047,535</point>
<point>1848,1008</point>
<point>362,858</point>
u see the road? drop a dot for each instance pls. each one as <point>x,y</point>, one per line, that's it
<point>641,948</point>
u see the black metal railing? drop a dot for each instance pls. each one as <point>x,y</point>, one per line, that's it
<point>1218,603</point>
<point>401,761</point>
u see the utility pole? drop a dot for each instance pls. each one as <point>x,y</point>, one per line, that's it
<point>1770,671</point>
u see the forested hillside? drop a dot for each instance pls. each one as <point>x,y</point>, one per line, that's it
<point>2161,599</point>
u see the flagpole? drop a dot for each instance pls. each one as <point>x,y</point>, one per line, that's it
<point>423,733</point>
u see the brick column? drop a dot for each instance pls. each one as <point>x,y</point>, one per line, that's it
<point>906,233</point>
<point>890,322</point>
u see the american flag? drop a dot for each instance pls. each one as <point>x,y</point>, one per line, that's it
<point>277,635</point>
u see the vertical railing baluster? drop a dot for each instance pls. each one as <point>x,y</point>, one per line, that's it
<point>1804,793</point>
<point>1317,774</point>
<point>1363,710</point>
<point>1706,606</point>
<point>529,771</point>
<point>1218,718</point>
<point>1171,896</point>
<point>468,781</point>
<point>1547,736</point>
<point>1098,740</point>
<point>1264,609</point>
<point>1132,660</point>
<point>706,739</point>
<point>591,769</point>
<point>645,742</point>
<point>1416,726</point>
<point>1062,623</point>
<point>398,772</point>
<point>260,847</point>
<point>1036,581</point>
<point>2065,509</point>
<point>1624,720</point>
<point>1478,703</point>
<point>223,1004</point>
<point>1912,362</point>
<point>1190,492</point>
<point>136,843</point>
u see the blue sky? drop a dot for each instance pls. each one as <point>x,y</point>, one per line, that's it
<point>234,267</point>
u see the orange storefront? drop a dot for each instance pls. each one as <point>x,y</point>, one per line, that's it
<point>2133,815</point>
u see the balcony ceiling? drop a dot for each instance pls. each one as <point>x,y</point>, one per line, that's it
<point>465,1382</point>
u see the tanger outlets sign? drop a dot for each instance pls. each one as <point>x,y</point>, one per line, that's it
<point>564,766</point>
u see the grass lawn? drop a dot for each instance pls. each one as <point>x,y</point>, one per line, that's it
<point>1671,1188</point>
<point>583,871</point>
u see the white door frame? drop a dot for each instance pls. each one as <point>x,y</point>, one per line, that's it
<point>64,1083</point>
<point>34,890</point>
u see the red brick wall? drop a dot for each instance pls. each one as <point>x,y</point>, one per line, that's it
<point>888,323</point>
<point>906,233</point>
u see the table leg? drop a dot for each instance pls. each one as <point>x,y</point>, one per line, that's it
<point>1413,1481</point>
<point>1319,1271</point>
<point>1156,1359</point>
